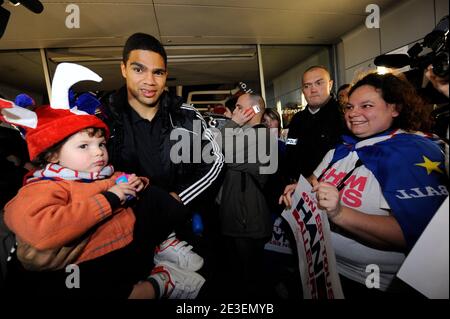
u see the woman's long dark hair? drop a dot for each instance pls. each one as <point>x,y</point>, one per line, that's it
<point>273,114</point>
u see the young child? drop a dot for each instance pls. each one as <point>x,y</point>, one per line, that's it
<point>73,195</point>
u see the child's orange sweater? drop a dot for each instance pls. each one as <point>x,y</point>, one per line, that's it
<point>50,214</point>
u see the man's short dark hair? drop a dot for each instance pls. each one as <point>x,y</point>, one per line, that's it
<point>143,41</point>
<point>317,67</point>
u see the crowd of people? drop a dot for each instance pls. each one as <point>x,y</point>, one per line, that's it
<point>367,154</point>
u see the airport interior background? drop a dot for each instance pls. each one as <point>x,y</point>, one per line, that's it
<point>215,48</point>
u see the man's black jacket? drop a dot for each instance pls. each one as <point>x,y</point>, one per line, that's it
<point>310,137</point>
<point>187,178</point>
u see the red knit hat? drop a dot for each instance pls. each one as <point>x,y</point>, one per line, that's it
<point>48,125</point>
<point>54,125</point>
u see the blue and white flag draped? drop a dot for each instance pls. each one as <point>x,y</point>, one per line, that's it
<point>410,170</point>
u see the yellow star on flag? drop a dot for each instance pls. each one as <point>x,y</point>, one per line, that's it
<point>430,166</point>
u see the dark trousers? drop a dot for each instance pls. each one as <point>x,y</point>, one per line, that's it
<point>114,274</point>
<point>244,273</point>
<point>157,215</point>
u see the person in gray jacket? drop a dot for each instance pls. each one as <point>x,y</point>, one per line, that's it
<point>244,214</point>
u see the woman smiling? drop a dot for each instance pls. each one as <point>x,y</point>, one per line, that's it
<point>383,184</point>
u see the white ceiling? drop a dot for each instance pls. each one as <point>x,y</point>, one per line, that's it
<point>105,25</point>
<point>110,22</point>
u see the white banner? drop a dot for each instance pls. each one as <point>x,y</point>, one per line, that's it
<point>426,266</point>
<point>317,262</point>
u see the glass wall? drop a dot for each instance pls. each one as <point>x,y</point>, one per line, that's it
<point>283,66</point>
<point>22,72</point>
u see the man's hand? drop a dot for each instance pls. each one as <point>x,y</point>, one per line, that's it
<point>136,182</point>
<point>439,83</point>
<point>241,117</point>
<point>175,195</point>
<point>50,259</point>
<point>286,197</point>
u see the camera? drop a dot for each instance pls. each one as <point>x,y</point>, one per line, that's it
<point>437,41</point>
<point>436,46</point>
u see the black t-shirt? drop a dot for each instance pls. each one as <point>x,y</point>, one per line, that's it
<point>147,148</point>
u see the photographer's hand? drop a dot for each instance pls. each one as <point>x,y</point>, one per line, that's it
<point>439,83</point>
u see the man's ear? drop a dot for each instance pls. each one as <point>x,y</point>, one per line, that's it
<point>123,69</point>
<point>331,85</point>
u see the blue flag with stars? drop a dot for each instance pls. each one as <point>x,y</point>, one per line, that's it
<point>410,171</point>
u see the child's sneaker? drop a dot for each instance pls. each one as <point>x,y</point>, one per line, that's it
<point>176,283</point>
<point>179,253</point>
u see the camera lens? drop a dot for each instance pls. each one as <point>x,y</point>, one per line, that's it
<point>440,64</point>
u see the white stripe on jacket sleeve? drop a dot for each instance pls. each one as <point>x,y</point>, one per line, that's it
<point>205,181</point>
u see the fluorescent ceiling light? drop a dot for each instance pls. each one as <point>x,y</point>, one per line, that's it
<point>170,58</point>
<point>218,58</point>
<point>78,59</point>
